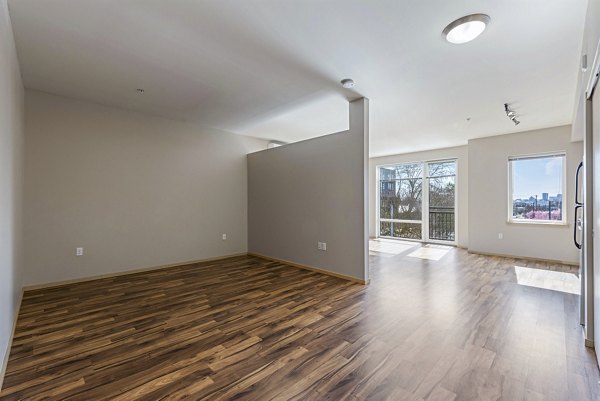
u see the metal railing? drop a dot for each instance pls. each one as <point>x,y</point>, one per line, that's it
<point>537,210</point>
<point>441,224</point>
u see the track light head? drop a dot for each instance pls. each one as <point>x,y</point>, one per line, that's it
<point>511,114</point>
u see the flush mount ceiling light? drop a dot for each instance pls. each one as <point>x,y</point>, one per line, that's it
<point>347,83</point>
<point>466,29</point>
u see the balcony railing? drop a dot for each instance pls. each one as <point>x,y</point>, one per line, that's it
<point>441,224</point>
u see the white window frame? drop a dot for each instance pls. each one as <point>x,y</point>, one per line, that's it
<point>427,177</point>
<point>424,202</point>
<point>564,220</point>
<point>384,220</point>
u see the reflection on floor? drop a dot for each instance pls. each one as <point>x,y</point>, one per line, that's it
<point>547,279</point>
<point>389,247</point>
<point>431,252</point>
<point>383,247</point>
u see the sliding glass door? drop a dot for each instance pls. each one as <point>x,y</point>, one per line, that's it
<point>410,210</point>
<point>442,195</point>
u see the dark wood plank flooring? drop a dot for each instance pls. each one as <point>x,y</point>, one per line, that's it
<point>457,328</point>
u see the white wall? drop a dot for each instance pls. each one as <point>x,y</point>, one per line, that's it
<point>462,184</point>
<point>488,196</point>
<point>591,38</point>
<point>133,190</point>
<point>311,191</point>
<point>482,194</point>
<point>11,172</point>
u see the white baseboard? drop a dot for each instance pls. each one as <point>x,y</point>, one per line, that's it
<point>126,272</point>
<point>560,262</point>
<point>311,268</point>
<point>10,340</point>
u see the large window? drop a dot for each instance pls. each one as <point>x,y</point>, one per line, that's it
<point>411,210</point>
<point>537,188</point>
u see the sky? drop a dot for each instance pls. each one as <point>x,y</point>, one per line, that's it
<point>532,177</point>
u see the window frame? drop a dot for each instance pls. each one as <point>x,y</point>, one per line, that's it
<point>425,201</point>
<point>510,218</point>
<point>380,220</point>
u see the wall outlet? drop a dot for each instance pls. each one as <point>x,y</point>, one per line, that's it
<point>224,237</point>
<point>78,251</point>
<point>324,246</point>
<point>500,235</point>
<point>320,246</point>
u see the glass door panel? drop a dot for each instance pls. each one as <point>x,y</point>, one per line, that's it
<point>401,201</point>
<point>407,230</point>
<point>411,199</point>
<point>442,201</point>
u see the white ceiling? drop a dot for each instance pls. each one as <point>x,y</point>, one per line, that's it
<point>271,68</point>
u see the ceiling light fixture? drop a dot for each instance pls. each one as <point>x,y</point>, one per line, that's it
<point>466,29</point>
<point>347,83</point>
<point>511,114</point>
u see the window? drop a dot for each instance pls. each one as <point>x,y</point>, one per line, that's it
<point>417,201</point>
<point>400,201</point>
<point>537,187</point>
<point>442,199</point>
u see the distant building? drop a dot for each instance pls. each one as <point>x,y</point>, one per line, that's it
<point>387,174</point>
<point>388,185</point>
<point>545,196</point>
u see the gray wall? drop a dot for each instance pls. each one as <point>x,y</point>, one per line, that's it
<point>311,191</point>
<point>488,196</point>
<point>459,153</point>
<point>11,173</point>
<point>134,190</point>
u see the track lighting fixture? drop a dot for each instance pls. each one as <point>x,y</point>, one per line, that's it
<point>511,114</point>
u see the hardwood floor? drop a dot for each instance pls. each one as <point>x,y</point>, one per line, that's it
<point>457,328</point>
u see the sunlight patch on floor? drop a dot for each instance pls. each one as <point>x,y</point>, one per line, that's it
<point>389,247</point>
<point>431,252</point>
<point>548,279</point>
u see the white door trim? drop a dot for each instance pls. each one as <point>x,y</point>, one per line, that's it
<point>594,75</point>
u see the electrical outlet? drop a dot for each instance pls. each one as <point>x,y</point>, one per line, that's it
<point>78,251</point>
<point>320,246</point>
<point>324,246</point>
<point>224,237</point>
<point>500,236</point>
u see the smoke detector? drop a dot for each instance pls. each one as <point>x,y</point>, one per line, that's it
<point>347,83</point>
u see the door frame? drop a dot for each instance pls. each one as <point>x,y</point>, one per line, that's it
<point>592,298</point>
